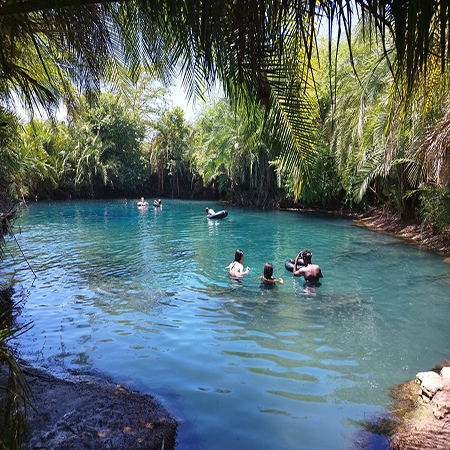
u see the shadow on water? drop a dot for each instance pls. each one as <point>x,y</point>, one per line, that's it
<point>372,434</point>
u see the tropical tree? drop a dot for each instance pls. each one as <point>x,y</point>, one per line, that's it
<point>376,126</point>
<point>262,53</point>
<point>168,152</point>
<point>10,171</point>
<point>87,160</point>
<point>120,135</point>
<point>230,154</point>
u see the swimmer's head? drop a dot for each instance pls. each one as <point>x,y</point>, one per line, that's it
<point>207,209</point>
<point>238,255</point>
<point>306,254</point>
<point>268,271</point>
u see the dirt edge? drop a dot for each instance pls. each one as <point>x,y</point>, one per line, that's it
<point>92,413</point>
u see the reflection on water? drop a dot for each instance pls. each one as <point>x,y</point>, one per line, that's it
<point>144,296</point>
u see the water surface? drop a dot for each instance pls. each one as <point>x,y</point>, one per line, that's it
<point>143,297</point>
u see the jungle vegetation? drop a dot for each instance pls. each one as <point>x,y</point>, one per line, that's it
<point>336,105</point>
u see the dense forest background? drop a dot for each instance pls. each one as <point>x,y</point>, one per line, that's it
<point>313,123</point>
<point>372,144</point>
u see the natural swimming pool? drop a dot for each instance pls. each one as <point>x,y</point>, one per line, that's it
<point>143,296</point>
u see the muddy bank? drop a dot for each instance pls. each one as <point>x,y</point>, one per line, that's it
<point>413,232</point>
<point>91,413</point>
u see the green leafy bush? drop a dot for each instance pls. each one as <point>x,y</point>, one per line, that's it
<point>435,201</point>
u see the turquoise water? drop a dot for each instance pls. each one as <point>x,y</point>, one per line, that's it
<point>144,297</point>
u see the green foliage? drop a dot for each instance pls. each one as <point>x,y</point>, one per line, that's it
<point>324,188</point>
<point>9,160</point>
<point>169,150</point>
<point>120,136</point>
<point>100,149</point>
<point>15,396</point>
<point>231,155</point>
<point>435,202</point>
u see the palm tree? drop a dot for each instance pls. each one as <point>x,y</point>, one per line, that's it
<point>169,148</point>
<point>263,52</point>
<point>9,169</point>
<point>87,160</point>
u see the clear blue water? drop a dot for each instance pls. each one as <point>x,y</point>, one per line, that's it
<point>144,297</point>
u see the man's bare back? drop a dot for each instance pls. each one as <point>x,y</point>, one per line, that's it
<point>310,271</point>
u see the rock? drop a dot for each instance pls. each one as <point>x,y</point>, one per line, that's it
<point>445,373</point>
<point>430,383</point>
<point>423,425</point>
<point>441,404</point>
<point>92,413</point>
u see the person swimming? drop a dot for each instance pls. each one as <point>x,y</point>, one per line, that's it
<point>142,203</point>
<point>236,269</point>
<point>310,271</point>
<point>268,275</point>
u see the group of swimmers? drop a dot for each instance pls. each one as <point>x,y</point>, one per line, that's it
<point>311,272</point>
<point>144,204</point>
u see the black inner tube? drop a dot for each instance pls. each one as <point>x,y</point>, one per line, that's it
<point>218,215</point>
<point>289,264</point>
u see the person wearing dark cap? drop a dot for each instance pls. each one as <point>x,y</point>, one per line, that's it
<point>310,271</point>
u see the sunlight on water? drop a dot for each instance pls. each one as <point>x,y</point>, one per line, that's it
<point>144,297</point>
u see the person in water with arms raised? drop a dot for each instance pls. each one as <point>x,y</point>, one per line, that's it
<point>268,275</point>
<point>236,268</point>
<point>310,271</point>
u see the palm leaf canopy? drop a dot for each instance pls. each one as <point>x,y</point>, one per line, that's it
<point>261,51</point>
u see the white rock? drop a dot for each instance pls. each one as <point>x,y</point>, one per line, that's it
<point>445,372</point>
<point>430,383</point>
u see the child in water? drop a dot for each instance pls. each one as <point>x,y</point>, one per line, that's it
<point>268,275</point>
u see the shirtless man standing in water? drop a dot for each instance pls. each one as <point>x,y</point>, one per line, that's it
<point>311,272</point>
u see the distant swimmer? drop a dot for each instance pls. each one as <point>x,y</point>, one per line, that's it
<point>311,272</point>
<point>142,203</point>
<point>268,275</point>
<point>157,203</point>
<point>211,214</point>
<point>236,268</point>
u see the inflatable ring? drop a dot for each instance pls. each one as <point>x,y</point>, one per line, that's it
<point>289,264</point>
<point>218,215</point>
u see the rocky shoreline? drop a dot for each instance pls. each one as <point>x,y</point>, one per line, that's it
<point>421,408</point>
<point>87,412</point>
